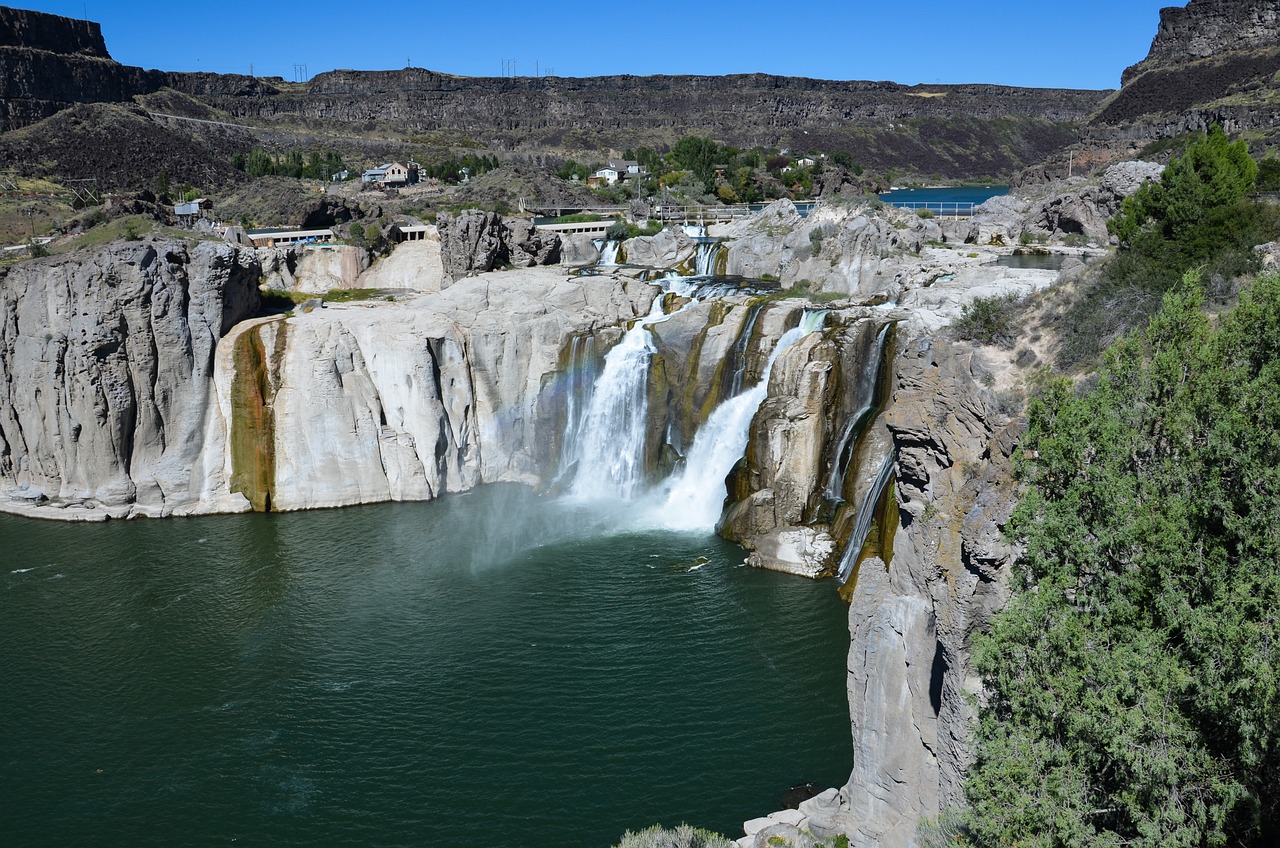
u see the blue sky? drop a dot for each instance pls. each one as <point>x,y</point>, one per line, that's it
<point>1082,44</point>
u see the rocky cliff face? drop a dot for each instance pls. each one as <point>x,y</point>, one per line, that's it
<point>937,574</point>
<point>1212,61</point>
<point>107,361</point>
<point>1205,28</point>
<point>128,392</point>
<point>49,63</point>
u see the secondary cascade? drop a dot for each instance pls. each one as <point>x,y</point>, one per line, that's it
<point>695,496</point>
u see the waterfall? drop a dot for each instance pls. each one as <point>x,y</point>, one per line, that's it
<point>579,389</point>
<point>694,231</point>
<point>610,452</point>
<point>704,263</point>
<point>868,391</point>
<point>866,513</point>
<point>695,496</point>
<point>608,252</point>
<point>736,361</point>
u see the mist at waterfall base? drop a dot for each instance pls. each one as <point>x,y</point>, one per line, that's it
<point>404,674</point>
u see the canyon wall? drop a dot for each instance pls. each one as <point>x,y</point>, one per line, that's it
<point>50,63</point>
<point>107,360</point>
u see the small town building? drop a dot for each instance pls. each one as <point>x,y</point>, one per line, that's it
<point>190,211</point>
<point>618,170</point>
<point>392,174</point>
<point>409,232</point>
<point>286,237</point>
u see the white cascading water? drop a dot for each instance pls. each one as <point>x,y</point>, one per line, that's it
<point>610,452</point>
<point>856,424</point>
<point>608,252</point>
<point>579,389</point>
<point>866,514</point>
<point>704,262</point>
<point>695,496</point>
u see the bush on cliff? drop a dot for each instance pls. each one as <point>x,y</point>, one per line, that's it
<point>682,836</point>
<point>1199,215</point>
<point>1134,692</point>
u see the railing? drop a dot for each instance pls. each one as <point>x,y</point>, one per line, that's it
<point>944,208</point>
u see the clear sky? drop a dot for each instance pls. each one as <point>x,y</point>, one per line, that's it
<point>1080,44</point>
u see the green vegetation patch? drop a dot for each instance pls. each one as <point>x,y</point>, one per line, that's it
<point>1134,693</point>
<point>1198,216</point>
<point>990,320</point>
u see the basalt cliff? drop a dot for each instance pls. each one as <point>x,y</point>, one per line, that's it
<point>50,63</point>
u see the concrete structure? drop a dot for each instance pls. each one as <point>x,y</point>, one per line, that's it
<point>409,232</point>
<point>282,238</point>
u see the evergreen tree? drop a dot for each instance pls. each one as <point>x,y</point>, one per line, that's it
<point>1134,691</point>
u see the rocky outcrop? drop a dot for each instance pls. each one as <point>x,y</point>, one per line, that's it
<point>473,242</point>
<point>839,248</point>
<point>1085,211</point>
<point>916,607</point>
<point>107,360</point>
<point>1205,28</point>
<point>1057,209</point>
<point>670,248</point>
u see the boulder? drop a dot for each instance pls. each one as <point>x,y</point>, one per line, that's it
<point>474,242</point>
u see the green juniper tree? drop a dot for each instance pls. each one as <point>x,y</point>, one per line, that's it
<point>1134,686</point>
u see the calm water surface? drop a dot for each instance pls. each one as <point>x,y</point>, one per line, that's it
<point>403,674</point>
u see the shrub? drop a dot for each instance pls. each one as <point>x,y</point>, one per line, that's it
<point>36,249</point>
<point>683,836</point>
<point>924,213</point>
<point>989,320</point>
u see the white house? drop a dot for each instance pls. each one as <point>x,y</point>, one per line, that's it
<point>392,174</point>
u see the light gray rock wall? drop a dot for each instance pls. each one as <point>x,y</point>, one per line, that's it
<point>107,360</point>
<point>912,619</point>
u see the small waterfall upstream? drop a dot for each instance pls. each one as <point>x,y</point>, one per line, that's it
<point>866,514</point>
<point>868,399</point>
<point>695,495</point>
<point>608,252</point>
<point>705,259</point>
<point>736,361</point>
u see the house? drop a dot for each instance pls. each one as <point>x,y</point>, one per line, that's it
<point>608,175</point>
<point>392,174</point>
<point>618,170</point>
<point>805,162</point>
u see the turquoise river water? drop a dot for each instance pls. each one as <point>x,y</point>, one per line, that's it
<point>488,669</point>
